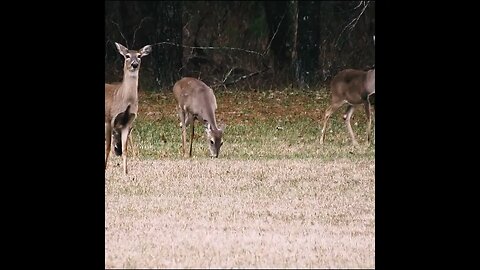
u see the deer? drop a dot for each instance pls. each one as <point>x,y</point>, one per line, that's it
<point>121,103</point>
<point>353,87</point>
<point>196,101</point>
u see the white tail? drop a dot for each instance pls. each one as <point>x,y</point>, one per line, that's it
<point>197,101</point>
<point>121,103</point>
<point>354,87</point>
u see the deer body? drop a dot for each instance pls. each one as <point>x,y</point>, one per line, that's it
<point>121,103</point>
<point>354,87</point>
<point>196,101</point>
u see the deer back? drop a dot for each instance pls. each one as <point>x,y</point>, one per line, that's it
<point>352,86</point>
<point>195,97</point>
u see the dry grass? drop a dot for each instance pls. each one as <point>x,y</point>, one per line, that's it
<point>274,198</point>
<point>205,213</point>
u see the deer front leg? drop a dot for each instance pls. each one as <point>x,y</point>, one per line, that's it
<point>108,142</point>
<point>191,139</point>
<point>183,126</point>
<point>184,139</point>
<point>330,110</point>
<point>348,115</point>
<point>125,133</point>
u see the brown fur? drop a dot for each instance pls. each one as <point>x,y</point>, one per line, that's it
<point>195,100</point>
<point>121,103</point>
<point>354,87</point>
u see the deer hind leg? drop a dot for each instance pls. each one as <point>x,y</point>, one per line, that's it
<point>371,101</point>
<point>108,141</point>
<point>125,133</point>
<point>117,141</point>
<point>369,121</point>
<point>122,125</point>
<point>330,110</point>
<point>348,115</point>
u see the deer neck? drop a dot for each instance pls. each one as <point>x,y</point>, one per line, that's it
<point>210,118</point>
<point>129,89</point>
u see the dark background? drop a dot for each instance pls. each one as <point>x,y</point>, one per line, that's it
<point>299,44</point>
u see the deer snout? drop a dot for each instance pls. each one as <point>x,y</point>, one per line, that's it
<point>135,65</point>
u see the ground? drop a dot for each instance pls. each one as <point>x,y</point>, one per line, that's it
<point>274,197</point>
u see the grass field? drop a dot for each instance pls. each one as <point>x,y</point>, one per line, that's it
<point>274,197</point>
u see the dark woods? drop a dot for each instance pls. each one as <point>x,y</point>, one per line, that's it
<point>241,44</point>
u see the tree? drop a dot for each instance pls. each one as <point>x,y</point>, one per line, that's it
<point>307,43</point>
<point>279,20</point>
<point>138,23</point>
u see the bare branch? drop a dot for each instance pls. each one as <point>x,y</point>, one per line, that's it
<point>241,78</point>
<point>138,28</point>
<point>274,34</point>
<point>354,22</point>
<point>106,46</point>
<point>210,48</point>
<point>118,27</point>
<point>227,75</point>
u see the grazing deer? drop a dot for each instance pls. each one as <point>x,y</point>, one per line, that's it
<point>354,87</point>
<point>197,101</point>
<point>121,103</point>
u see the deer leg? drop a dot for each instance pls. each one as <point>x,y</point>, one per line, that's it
<point>181,115</point>
<point>349,113</point>
<point>108,142</point>
<point>184,140</point>
<point>125,133</point>
<point>330,110</point>
<point>183,125</point>
<point>369,120</point>
<point>374,124</point>
<point>191,139</point>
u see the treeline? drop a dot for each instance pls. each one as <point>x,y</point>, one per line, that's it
<point>241,44</point>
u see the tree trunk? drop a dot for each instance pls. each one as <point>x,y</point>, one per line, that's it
<point>279,21</point>
<point>168,28</point>
<point>308,43</point>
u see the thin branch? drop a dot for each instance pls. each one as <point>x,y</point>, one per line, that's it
<point>274,34</point>
<point>209,48</point>
<point>227,75</point>
<point>138,28</point>
<point>118,27</point>
<point>106,50</point>
<point>354,22</point>
<point>241,78</point>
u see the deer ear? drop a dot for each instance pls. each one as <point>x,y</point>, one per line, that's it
<point>121,49</point>
<point>145,50</point>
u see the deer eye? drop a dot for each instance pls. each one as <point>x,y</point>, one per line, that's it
<point>127,56</point>
<point>212,142</point>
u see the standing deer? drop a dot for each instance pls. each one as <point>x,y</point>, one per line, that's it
<point>197,101</point>
<point>121,103</point>
<point>354,87</point>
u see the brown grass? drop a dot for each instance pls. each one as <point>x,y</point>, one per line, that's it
<point>223,213</point>
<point>243,106</point>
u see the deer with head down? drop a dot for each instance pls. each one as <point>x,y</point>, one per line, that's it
<point>352,87</point>
<point>121,103</point>
<point>196,101</point>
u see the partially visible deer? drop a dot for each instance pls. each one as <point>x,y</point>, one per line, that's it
<point>354,87</point>
<point>197,101</point>
<point>121,103</point>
